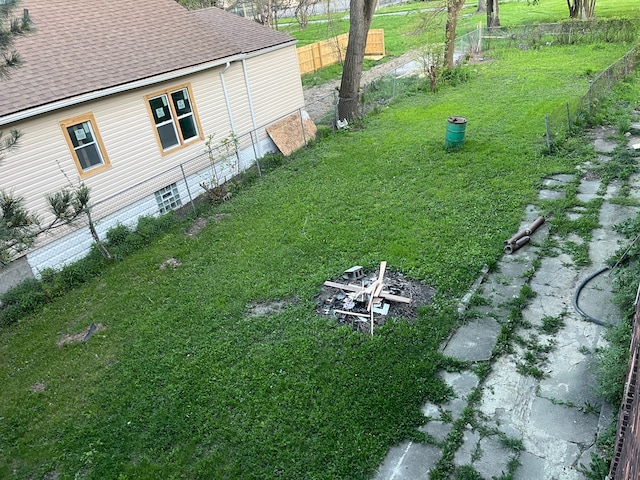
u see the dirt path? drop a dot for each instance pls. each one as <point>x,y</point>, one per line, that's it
<point>321,100</point>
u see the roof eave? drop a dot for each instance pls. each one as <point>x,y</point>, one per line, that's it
<point>96,94</point>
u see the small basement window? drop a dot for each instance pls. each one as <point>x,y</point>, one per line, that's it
<point>168,198</point>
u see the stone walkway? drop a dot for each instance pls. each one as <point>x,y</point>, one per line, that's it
<point>534,414</point>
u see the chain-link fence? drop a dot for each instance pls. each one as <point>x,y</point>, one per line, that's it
<point>581,111</point>
<point>206,175</point>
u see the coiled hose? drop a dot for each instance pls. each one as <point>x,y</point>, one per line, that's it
<point>577,295</point>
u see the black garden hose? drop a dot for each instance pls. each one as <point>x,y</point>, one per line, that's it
<point>577,295</point>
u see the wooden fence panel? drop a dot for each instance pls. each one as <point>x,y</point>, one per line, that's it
<point>328,52</point>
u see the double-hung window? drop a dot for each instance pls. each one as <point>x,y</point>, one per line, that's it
<point>174,117</point>
<point>85,144</point>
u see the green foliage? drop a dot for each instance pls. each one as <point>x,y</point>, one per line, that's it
<point>20,301</point>
<point>31,295</point>
<point>552,325</point>
<point>612,363</point>
<point>18,227</point>
<point>598,468</point>
<point>457,76</point>
<point>467,472</point>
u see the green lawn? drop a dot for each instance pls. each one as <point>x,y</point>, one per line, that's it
<point>182,383</point>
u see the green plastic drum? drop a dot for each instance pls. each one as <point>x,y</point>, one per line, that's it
<point>456,127</point>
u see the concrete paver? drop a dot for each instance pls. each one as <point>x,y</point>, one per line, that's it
<point>474,341</point>
<point>559,415</point>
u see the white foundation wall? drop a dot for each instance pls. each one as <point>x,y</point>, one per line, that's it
<point>77,243</point>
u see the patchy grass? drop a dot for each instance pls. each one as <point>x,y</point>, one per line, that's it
<point>182,382</point>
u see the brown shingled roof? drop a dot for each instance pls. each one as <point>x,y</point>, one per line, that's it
<point>247,34</point>
<point>84,46</point>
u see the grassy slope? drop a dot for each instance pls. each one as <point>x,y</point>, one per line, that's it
<point>182,382</point>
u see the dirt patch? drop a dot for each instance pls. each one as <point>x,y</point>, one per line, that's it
<point>38,387</point>
<point>332,299</point>
<point>268,308</point>
<point>170,262</point>
<point>81,337</point>
<point>202,222</point>
<point>197,226</point>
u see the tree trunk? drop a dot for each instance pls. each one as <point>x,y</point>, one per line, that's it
<point>496,14</point>
<point>493,12</point>
<point>574,8</point>
<point>453,8</point>
<point>361,14</point>
<point>588,7</point>
<point>482,6</point>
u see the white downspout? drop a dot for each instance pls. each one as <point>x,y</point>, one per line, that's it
<point>253,113</point>
<point>226,97</point>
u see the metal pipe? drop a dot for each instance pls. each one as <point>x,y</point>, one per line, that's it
<point>251,109</point>
<point>520,234</point>
<point>535,225</point>
<point>226,96</point>
<point>512,247</point>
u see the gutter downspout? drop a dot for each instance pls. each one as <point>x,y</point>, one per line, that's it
<point>226,97</point>
<point>253,113</point>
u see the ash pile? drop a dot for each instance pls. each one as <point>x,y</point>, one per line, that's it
<point>365,301</point>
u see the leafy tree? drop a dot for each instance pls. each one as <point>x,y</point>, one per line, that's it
<point>17,227</point>
<point>360,17</point>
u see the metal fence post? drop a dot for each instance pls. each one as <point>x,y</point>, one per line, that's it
<point>191,199</point>
<point>546,124</point>
<point>589,99</point>
<point>568,118</point>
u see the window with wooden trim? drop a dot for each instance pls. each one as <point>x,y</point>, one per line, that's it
<point>85,144</point>
<point>174,117</point>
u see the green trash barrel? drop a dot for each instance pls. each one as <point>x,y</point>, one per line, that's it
<point>456,127</point>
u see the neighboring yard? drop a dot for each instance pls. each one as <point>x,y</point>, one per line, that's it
<point>181,381</point>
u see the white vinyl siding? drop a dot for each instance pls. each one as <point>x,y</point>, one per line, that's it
<point>44,163</point>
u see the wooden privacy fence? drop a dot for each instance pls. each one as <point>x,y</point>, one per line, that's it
<point>321,54</point>
<point>625,464</point>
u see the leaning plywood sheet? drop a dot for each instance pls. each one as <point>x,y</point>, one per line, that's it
<point>287,133</point>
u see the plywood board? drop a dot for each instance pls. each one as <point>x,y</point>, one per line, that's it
<point>287,133</point>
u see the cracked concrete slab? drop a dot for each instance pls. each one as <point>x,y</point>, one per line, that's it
<point>555,274</point>
<point>557,421</point>
<point>494,459</point>
<point>551,194</point>
<point>604,244</point>
<point>560,179</point>
<point>463,383</point>
<point>474,341</point>
<point>437,429</point>
<point>409,461</point>
<point>589,186</point>
<point>612,214</point>
<point>465,454</point>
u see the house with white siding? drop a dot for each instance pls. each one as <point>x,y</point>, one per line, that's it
<point>121,94</point>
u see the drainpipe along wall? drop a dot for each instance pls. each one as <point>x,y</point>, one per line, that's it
<point>253,114</point>
<point>226,97</point>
